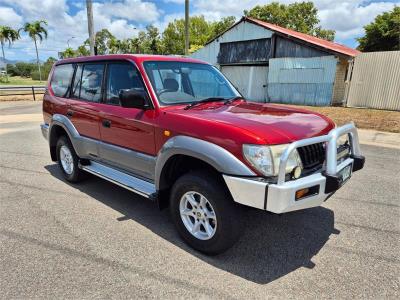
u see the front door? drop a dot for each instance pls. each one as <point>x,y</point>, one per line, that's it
<point>127,134</point>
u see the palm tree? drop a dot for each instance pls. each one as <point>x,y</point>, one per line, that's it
<point>36,32</point>
<point>7,34</point>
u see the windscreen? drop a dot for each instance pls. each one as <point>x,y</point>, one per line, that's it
<point>183,82</point>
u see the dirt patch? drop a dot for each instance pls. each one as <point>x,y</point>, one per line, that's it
<point>3,97</point>
<point>381,120</point>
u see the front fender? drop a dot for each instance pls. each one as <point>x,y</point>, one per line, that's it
<point>219,158</point>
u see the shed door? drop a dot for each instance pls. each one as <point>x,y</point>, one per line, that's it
<point>306,81</point>
<point>251,81</point>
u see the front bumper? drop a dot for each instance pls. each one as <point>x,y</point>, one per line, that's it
<point>281,197</point>
<point>45,130</point>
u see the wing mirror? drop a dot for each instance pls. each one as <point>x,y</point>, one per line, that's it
<point>133,98</point>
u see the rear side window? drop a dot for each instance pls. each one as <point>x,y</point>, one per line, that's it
<point>121,76</point>
<point>88,82</point>
<point>61,79</point>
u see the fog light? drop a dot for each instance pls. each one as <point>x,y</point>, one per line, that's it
<point>301,193</point>
<point>296,173</point>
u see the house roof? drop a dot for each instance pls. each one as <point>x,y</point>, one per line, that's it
<point>321,43</point>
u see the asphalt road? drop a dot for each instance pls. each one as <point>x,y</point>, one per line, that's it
<point>97,240</point>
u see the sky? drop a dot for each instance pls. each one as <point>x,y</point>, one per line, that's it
<point>67,21</point>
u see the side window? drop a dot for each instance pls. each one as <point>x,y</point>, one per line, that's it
<point>121,76</point>
<point>61,79</point>
<point>88,82</point>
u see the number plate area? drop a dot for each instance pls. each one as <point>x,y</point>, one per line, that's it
<point>345,173</point>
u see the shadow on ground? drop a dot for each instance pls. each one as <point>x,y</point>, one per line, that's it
<point>271,247</point>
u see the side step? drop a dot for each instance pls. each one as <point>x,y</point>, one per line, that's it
<point>134,184</point>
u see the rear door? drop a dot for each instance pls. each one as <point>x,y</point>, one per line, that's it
<point>83,108</point>
<point>127,134</point>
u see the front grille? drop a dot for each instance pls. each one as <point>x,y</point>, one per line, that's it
<point>312,155</point>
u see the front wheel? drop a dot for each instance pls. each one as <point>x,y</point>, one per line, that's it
<point>204,213</point>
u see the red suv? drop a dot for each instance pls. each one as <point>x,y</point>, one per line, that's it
<point>176,131</point>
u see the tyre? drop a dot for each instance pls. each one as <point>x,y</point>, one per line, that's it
<point>204,213</point>
<point>68,161</point>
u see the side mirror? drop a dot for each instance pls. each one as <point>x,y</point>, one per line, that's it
<point>133,98</point>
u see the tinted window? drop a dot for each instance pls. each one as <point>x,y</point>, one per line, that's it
<point>88,82</point>
<point>61,79</point>
<point>121,76</point>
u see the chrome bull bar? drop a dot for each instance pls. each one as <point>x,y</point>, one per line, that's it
<point>331,149</point>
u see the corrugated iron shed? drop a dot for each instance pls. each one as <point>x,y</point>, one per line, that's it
<point>321,43</point>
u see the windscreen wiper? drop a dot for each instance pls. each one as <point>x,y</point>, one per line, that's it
<point>230,100</point>
<point>206,100</point>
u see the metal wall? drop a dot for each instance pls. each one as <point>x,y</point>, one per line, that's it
<point>288,48</point>
<point>375,81</point>
<point>251,81</point>
<point>306,81</point>
<point>243,31</point>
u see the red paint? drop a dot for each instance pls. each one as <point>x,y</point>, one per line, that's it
<point>229,126</point>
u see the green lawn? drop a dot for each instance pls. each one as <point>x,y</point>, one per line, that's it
<point>17,80</point>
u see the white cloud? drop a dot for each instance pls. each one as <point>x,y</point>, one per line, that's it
<point>121,17</point>
<point>134,10</point>
<point>9,16</point>
<point>346,17</point>
<point>349,17</point>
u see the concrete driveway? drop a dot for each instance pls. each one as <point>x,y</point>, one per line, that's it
<point>97,240</point>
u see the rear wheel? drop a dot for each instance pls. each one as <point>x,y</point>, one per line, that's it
<point>204,213</point>
<point>68,161</point>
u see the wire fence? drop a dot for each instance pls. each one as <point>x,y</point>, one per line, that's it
<point>23,90</point>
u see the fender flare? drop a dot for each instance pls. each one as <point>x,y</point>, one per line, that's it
<point>78,141</point>
<point>66,124</point>
<point>216,156</point>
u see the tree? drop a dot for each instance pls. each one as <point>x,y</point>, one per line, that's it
<point>67,53</point>
<point>82,51</point>
<point>298,16</point>
<point>102,41</point>
<point>383,34</point>
<point>200,31</point>
<point>36,31</point>
<point>7,34</point>
<point>219,27</point>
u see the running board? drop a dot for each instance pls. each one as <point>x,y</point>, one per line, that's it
<point>129,182</point>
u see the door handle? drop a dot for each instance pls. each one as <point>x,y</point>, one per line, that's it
<point>106,123</point>
<point>70,113</point>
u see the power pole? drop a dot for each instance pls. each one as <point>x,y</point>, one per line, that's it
<point>89,8</point>
<point>186,27</point>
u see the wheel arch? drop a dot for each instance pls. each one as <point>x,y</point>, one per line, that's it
<point>61,126</point>
<point>182,154</point>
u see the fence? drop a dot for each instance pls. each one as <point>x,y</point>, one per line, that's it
<point>22,90</point>
<point>375,81</point>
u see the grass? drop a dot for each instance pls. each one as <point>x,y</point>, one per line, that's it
<point>18,80</point>
<point>382,120</point>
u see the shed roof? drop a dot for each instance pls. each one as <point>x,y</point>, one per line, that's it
<point>327,45</point>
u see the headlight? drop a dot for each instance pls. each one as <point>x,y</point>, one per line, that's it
<point>266,158</point>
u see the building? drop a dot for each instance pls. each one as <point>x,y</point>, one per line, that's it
<point>269,63</point>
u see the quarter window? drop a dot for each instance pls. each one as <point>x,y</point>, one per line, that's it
<point>121,76</point>
<point>88,82</point>
<point>61,79</point>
